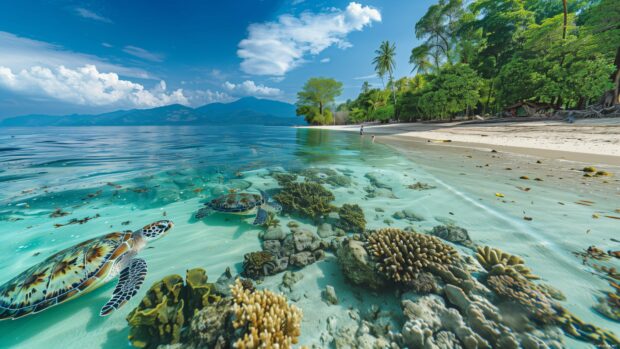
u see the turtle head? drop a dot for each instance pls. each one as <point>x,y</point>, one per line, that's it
<point>155,230</point>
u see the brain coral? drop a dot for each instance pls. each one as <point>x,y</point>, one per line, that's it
<point>401,256</point>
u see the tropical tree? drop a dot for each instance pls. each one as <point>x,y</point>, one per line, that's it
<point>315,97</point>
<point>384,63</point>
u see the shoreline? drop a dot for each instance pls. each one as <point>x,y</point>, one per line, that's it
<point>590,141</point>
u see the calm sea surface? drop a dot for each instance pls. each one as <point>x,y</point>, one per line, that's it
<point>114,179</point>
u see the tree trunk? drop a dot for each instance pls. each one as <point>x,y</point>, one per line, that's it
<point>565,19</point>
<point>321,108</point>
<point>617,79</point>
<point>486,105</point>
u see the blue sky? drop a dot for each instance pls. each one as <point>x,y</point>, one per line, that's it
<point>60,57</point>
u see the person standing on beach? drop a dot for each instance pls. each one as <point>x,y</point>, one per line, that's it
<point>362,130</point>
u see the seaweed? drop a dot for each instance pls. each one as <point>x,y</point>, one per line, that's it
<point>351,219</point>
<point>307,199</point>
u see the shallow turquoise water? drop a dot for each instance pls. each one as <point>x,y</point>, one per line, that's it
<point>132,176</point>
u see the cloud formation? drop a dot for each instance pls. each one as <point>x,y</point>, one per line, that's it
<point>250,88</point>
<point>142,53</point>
<point>21,53</point>
<point>202,97</point>
<point>87,86</point>
<point>274,48</point>
<point>88,14</point>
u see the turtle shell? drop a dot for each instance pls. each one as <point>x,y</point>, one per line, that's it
<point>63,276</point>
<point>236,202</point>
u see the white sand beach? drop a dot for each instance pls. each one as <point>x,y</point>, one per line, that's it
<point>585,140</point>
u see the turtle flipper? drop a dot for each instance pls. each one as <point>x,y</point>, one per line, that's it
<point>129,282</point>
<point>276,207</point>
<point>261,216</point>
<point>203,212</point>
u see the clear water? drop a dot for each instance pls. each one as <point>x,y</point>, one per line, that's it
<point>135,175</point>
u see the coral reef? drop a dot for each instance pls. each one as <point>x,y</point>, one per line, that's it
<point>284,178</point>
<point>296,249</point>
<point>309,199</point>
<point>162,313</point>
<point>264,319</point>
<point>258,264</point>
<point>400,256</point>
<point>211,327</point>
<point>272,221</point>
<point>325,176</point>
<point>351,219</point>
<point>453,233</point>
<point>525,294</point>
<point>497,262</point>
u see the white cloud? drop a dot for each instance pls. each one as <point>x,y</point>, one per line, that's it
<point>86,13</point>
<point>274,48</point>
<point>105,44</point>
<point>366,77</point>
<point>250,88</point>
<point>87,86</point>
<point>326,60</point>
<point>21,53</point>
<point>202,97</point>
<point>142,53</point>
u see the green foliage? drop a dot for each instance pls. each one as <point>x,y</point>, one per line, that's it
<point>481,56</point>
<point>313,99</point>
<point>383,113</point>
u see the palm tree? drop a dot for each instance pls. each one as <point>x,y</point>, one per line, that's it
<point>384,63</point>
<point>365,87</point>
<point>419,59</point>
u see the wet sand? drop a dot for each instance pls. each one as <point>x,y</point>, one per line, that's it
<point>592,141</point>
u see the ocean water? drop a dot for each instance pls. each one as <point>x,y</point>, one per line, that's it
<point>124,178</point>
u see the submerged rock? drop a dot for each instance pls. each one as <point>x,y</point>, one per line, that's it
<point>329,294</point>
<point>408,215</point>
<point>378,180</point>
<point>454,234</point>
<point>357,266</point>
<point>272,233</point>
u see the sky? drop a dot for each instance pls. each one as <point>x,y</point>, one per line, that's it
<point>93,56</point>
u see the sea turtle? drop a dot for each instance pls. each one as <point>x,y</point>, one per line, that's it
<point>80,269</point>
<point>242,204</point>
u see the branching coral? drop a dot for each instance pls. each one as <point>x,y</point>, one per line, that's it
<point>272,221</point>
<point>284,178</point>
<point>401,256</point>
<point>265,319</point>
<point>351,218</point>
<point>497,262</point>
<point>167,304</point>
<point>308,199</point>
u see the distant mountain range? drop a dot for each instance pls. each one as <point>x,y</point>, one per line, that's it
<point>249,110</point>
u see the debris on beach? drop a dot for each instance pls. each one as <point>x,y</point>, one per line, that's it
<point>58,213</point>
<point>420,186</point>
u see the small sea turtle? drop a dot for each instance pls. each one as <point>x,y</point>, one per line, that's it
<point>242,204</point>
<point>80,269</point>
